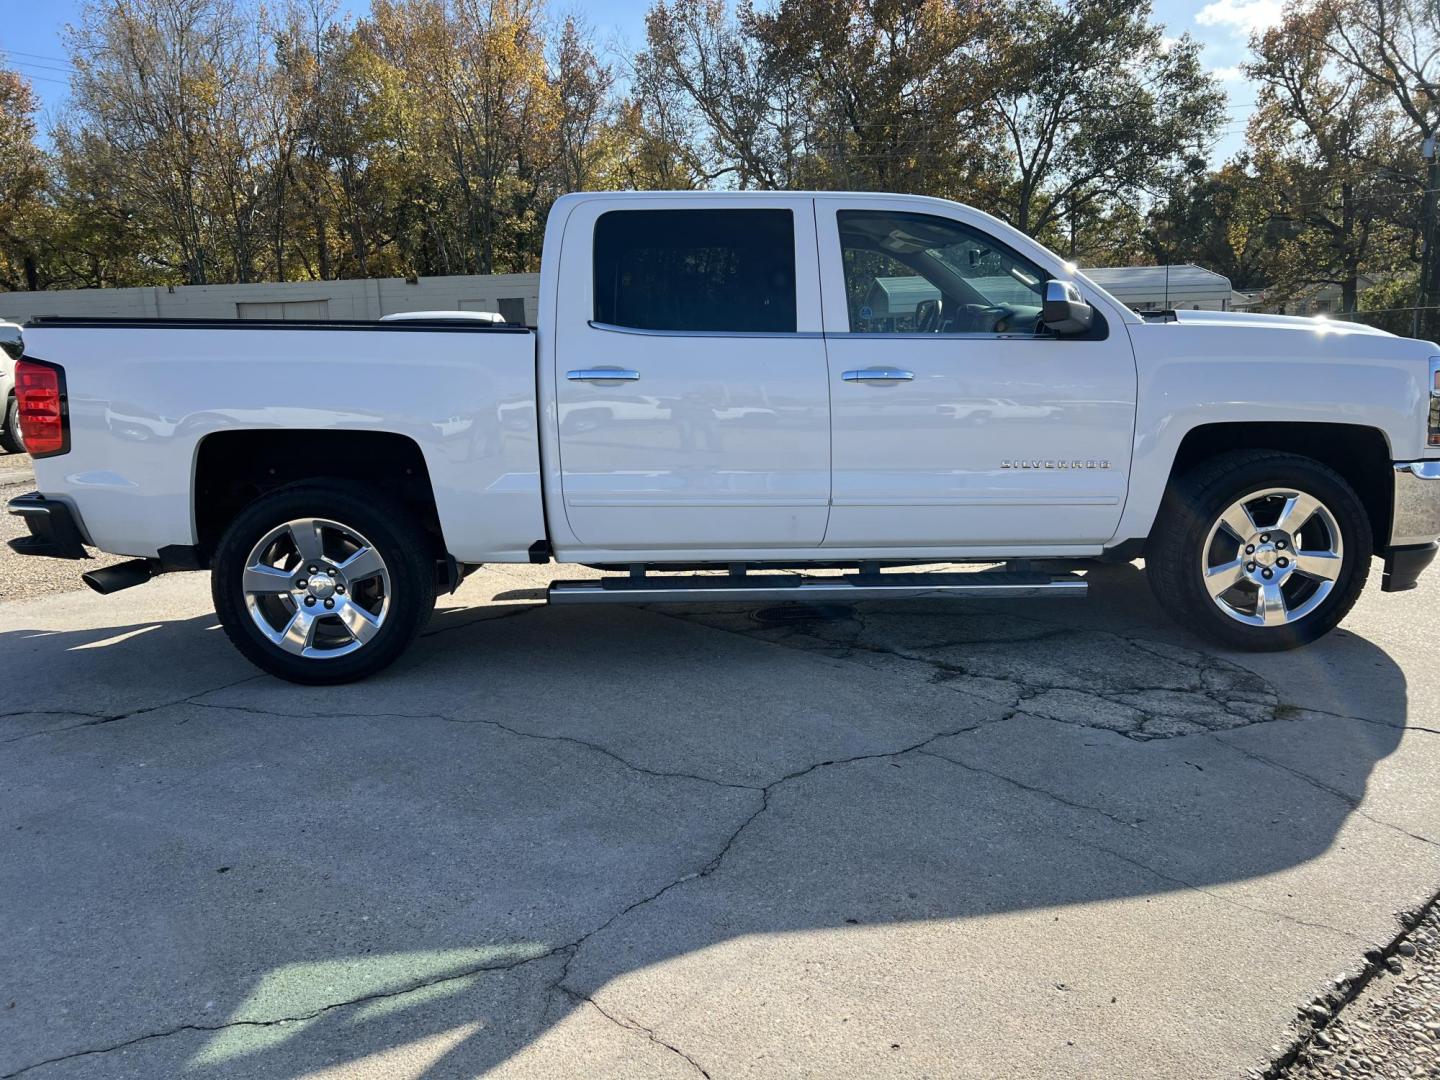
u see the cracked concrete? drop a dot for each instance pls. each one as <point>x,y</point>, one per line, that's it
<point>1065,840</point>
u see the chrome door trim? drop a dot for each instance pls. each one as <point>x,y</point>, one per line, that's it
<point>611,328</point>
<point>909,336</point>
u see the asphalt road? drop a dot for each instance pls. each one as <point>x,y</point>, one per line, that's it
<point>1065,839</point>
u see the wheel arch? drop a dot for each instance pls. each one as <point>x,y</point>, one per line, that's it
<point>233,468</point>
<point>1359,453</point>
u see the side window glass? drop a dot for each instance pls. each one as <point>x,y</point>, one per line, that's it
<point>916,273</point>
<point>696,270</point>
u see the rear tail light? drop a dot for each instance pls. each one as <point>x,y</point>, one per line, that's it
<point>44,412</point>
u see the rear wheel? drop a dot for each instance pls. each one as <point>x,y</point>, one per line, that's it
<point>323,582</point>
<point>1260,550</point>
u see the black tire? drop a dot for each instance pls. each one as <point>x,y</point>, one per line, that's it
<point>1176,554</point>
<point>408,554</point>
<point>11,441</point>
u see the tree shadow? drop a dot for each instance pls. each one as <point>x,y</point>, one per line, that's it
<point>242,877</point>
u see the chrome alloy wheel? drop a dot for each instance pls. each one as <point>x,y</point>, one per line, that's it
<point>316,588</point>
<point>1272,557</point>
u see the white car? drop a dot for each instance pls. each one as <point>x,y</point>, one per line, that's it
<point>11,348</point>
<point>1258,463</point>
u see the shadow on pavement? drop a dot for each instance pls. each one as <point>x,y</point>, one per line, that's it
<point>464,853</point>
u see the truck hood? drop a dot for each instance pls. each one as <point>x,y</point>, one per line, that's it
<point>1279,322</point>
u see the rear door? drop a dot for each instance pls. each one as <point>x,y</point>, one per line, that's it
<point>957,421</point>
<point>691,383</point>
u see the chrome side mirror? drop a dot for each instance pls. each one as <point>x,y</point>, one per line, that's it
<point>1065,311</point>
<point>11,340</point>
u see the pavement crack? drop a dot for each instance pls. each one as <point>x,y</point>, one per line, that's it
<point>517,732</point>
<point>968,767</point>
<point>378,995</point>
<point>1297,712</point>
<point>714,862</point>
<point>599,749</point>
<point>1346,991</point>
<point>1140,864</point>
<point>98,719</point>
<point>1345,797</point>
<point>626,1024</point>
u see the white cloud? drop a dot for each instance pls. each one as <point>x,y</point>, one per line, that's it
<point>1228,74</point>
<point>1240,17</point>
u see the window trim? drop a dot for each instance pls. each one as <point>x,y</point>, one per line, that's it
<point>614,328</point>
<point>795,266</point>
<point>828,210</point>
<point>978,234</point>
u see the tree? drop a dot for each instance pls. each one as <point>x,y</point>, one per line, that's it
<point>1395,45</point>
<point>1096,107</point>
<point>24,175</point>
<point>1325,140</point>
<point>1219,219</point>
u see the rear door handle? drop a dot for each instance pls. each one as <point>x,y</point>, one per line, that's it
<point>878,375</point>
<point>602,373</point>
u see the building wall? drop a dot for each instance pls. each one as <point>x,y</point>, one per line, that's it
<point>1142,287</point>
<point>356,299</point>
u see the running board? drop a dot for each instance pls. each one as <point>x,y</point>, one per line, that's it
<point>769,588</point>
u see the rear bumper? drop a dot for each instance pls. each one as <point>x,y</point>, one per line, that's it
<point>54,528</point>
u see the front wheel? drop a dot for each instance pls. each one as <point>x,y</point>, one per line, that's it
<point>1260,550</point>
<point>323,582</point>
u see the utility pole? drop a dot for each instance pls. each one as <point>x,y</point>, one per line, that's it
<point>1427,274</point>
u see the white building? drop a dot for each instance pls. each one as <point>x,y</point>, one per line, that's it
<point>1160,288</point>
<point>515,296</point>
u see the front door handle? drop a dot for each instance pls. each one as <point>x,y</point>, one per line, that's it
<point>878,375</point>
<point>602,373</point>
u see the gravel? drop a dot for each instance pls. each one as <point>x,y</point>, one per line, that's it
<point>22,577</point>
<point>1392,1030</point>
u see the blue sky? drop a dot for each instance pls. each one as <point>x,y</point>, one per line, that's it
<point>31,41</point>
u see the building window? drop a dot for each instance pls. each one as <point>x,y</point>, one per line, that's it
<point>512,309</point>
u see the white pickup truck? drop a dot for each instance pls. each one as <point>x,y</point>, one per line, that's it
<point>759,384</point>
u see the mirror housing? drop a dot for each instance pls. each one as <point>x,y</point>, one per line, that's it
<point>1065,311</point>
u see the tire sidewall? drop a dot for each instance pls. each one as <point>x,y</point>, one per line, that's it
<point>406,549</point>
<point>1197,513</point>
<point>12,440</point>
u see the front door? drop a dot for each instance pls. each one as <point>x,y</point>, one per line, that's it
<point>957,420</point>
<point>691,379</point>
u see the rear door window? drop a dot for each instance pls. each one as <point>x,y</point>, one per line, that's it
<point>709,271</point>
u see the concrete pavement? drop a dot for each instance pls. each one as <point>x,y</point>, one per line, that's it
<point>1061,840</point>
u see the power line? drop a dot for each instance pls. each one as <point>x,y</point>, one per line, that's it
<point>37,56</point>
<point>42,67</point>
<point>41,78</point>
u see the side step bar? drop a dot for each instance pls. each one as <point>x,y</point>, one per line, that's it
<point>769,588</point>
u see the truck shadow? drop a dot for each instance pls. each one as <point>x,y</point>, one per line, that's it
<point>464,856</point>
